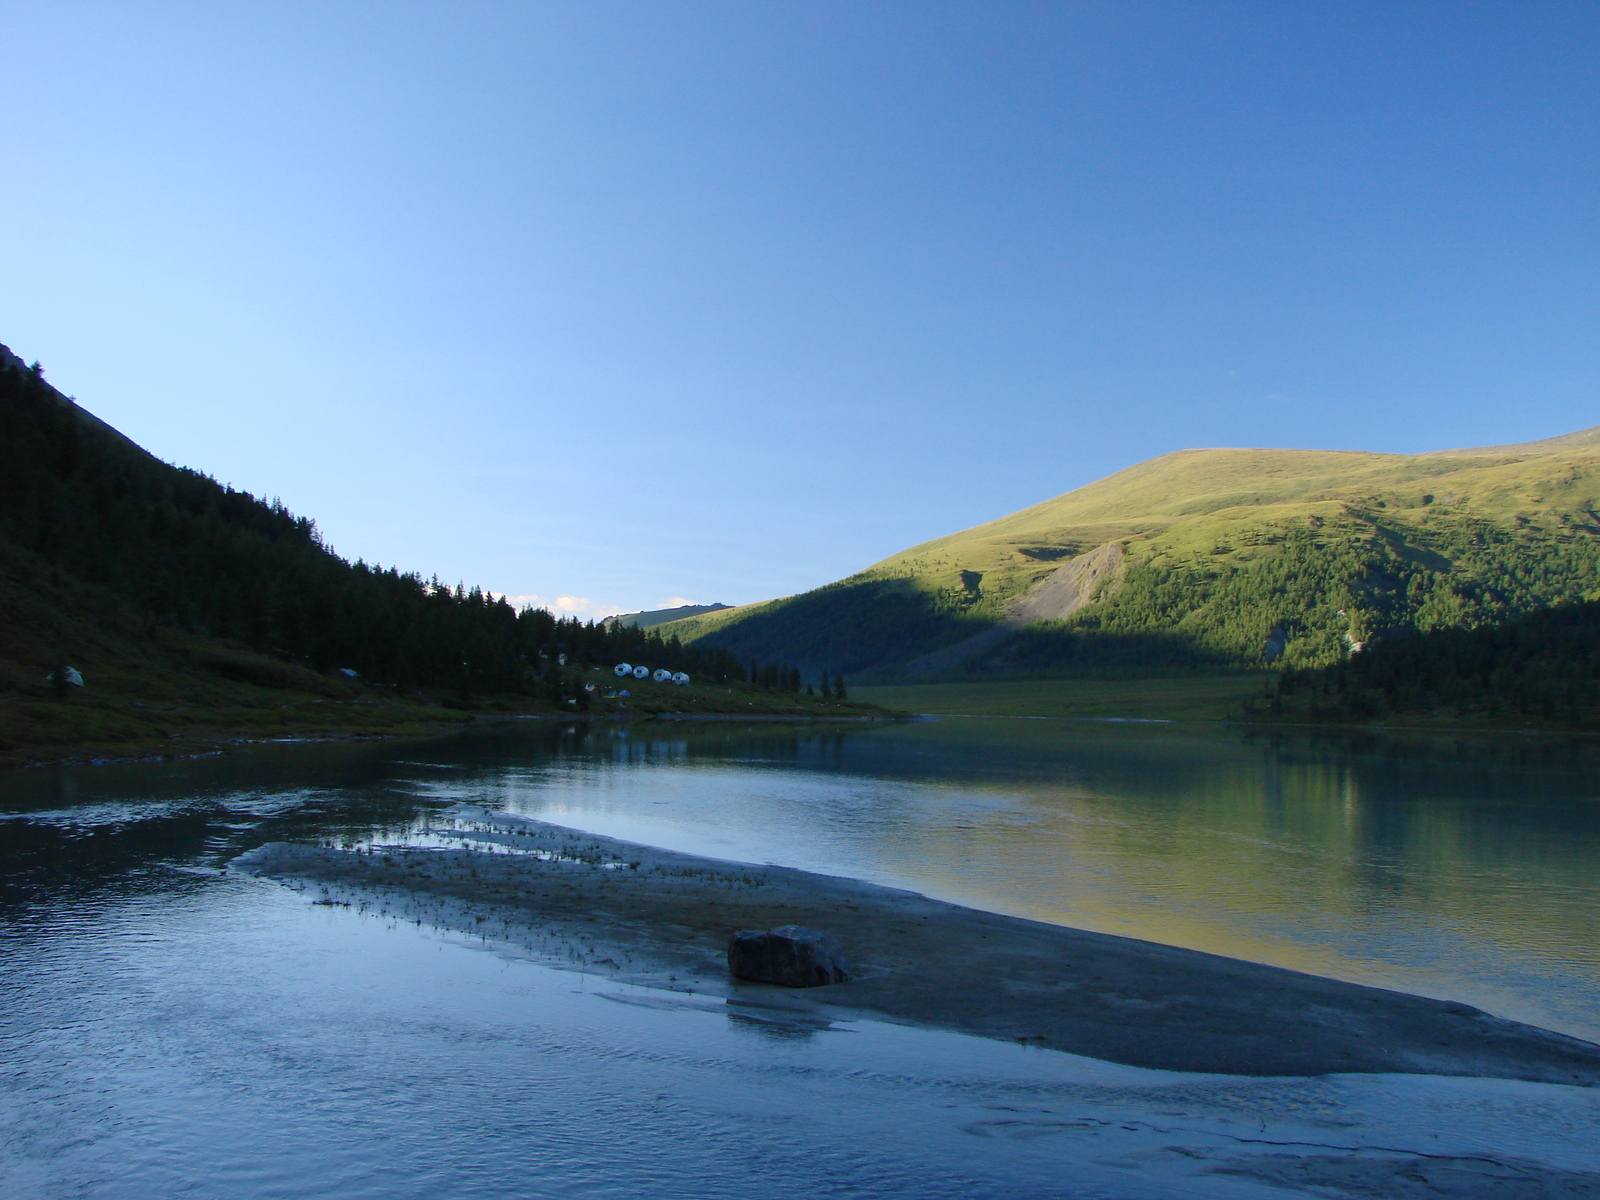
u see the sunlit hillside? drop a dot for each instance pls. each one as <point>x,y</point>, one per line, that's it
<point>1209,559</point>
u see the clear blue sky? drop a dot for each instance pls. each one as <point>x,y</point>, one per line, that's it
<point>721,301</point>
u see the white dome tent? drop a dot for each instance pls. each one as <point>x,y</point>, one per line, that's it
<point>641,672</point>
<point>662,675</point>
<point>680,678</point>
<point>622,670</point>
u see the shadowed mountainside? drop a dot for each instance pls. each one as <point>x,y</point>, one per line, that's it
<point>1536,670</point>
<point>197,611</point>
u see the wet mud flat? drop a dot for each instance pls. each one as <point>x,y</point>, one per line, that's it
<point>662,919</point>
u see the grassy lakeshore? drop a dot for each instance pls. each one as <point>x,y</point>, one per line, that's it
<point>1199,698</point>
<point>662,919</point>
<point>191,700</point>
<point>1182,698</point>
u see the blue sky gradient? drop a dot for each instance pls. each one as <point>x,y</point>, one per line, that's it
<point>721,301</point>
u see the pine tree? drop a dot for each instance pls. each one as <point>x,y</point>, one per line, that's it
<point>554,683</point>
<point>838,688</point>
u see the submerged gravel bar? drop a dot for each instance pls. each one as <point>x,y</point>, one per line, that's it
<point>662,919</point>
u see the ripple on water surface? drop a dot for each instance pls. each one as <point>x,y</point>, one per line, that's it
<point>172,1030</point>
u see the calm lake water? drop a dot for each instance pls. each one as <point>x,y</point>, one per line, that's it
<point>170,1029</point>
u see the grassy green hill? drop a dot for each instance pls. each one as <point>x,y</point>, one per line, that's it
<point>660,616</point>
<point>1209,560</point>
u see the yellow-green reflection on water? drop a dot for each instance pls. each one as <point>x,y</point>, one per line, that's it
<point>1458,867</point>
<point>1424,870</point>
<point>1462,867</point>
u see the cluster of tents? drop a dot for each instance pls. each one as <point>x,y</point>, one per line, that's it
<point>660,674</point>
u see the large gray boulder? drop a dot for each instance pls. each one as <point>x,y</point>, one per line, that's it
<point>790,955</point>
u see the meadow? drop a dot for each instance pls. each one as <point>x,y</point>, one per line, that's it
<point>1181,698</point>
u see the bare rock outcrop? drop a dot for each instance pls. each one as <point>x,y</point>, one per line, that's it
<point>790,955</point>
<point>1071,586</point>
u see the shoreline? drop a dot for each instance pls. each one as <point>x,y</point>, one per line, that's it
<point>661,919</point>
<point>92,755</point>
<point>1189,699</point>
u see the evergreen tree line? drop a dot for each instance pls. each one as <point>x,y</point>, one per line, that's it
<point>184,549</point>
<point>1541,666</point>
<point>1328,586</point>
<point>781,677</point>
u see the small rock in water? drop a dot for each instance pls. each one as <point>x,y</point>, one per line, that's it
<point>791,955</point>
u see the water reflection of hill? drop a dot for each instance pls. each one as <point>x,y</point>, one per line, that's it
<point>1412,860</point>
<point>1351,854</point>
<point>1459,866</point>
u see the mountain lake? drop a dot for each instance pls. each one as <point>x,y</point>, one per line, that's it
<point>172,1028</point>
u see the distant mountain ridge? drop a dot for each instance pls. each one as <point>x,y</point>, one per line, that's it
<point>660,616</point>
<point>1210,559</point>
<point>1567,441</point>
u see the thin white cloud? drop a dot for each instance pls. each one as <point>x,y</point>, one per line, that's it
<point>674,602</point>
<point>564,606</point>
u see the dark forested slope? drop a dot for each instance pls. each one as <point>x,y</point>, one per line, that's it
<point>1539,669</point>
<point>105,550</point>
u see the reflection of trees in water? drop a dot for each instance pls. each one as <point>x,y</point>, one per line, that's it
<point>111,829</point>
<point>78,832</point>
<point>1346,829</point>
<point>1510,750</point>
<point>1352,817</point>
<point>1367,830</point>
<point>638,742</point>
<point>642,743</point>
